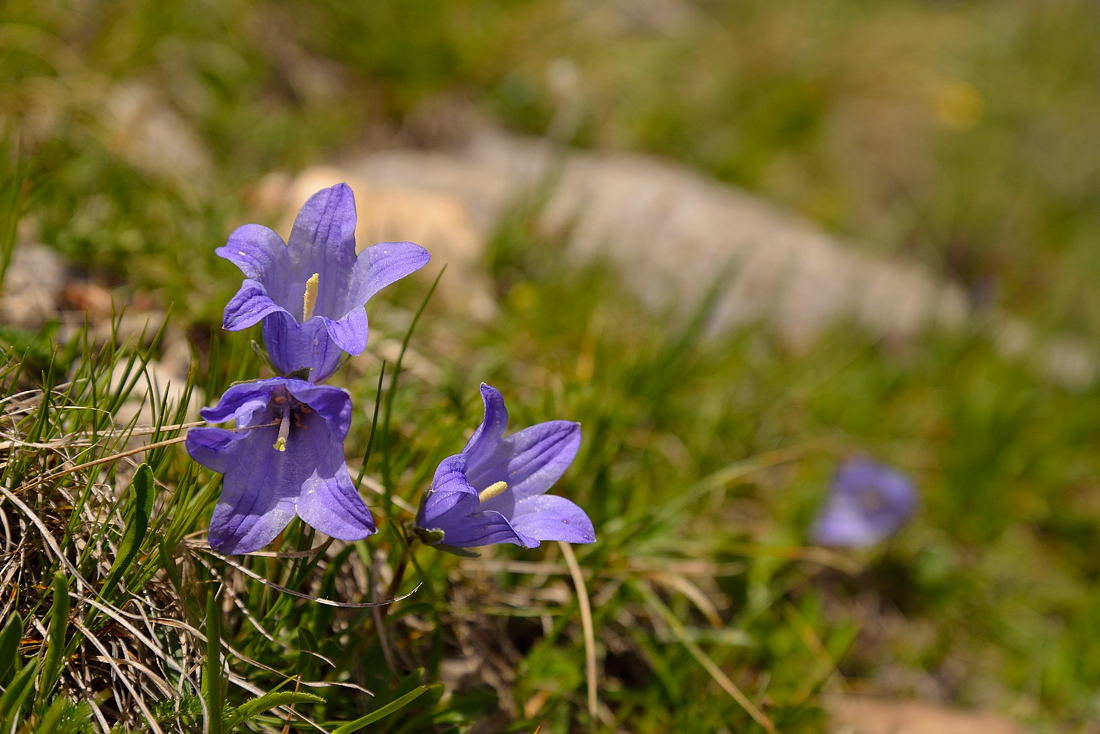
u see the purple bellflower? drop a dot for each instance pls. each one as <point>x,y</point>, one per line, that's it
<point>310,293</point>
<point>293,464</point>
<point>495,490</point>
<point>869,502</point>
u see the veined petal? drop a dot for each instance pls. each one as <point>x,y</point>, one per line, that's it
<point>380,265</point>
<point>330,404</point>
<point>250,304</point>
<point>530,461</point>
<point>487,436</point>
<point>293,346</point>
<point>241,402</point>
<point>213,447</point>
<point>482,528</point>
<point>334,507</point>
<point>549,517</point>
<point>452,506</point>
<point>261,255</point>
<point>450,494</point>
<point>350,332</point>
<point>323,240</point>
<point>260,492</point>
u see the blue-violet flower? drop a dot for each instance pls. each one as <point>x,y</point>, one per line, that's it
<point>310,293</point>
<point>869,501</point>
<point>495,490</point>
<point>291,464</point>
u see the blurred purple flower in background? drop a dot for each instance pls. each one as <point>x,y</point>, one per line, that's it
<point>869,501</point>
<point>495,490</point>
<point>310,294</point>
<point>294,464</point>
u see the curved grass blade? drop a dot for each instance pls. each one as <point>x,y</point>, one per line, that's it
<point>12,700</point>
<point>9,644</point>
<point>55,649</point>
<point>393,706</point>
<point>266,702</point>
<point>136,528</point>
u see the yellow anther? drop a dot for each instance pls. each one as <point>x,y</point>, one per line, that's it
<point>280,444</point>
<point>309,300</point>
<point>491,491</point>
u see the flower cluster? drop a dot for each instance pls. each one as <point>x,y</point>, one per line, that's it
<point>285,455</point>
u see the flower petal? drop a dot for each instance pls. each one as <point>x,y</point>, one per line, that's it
<point>241,402</point>
<point>259,494</point>
<point>487,436</point>
<point>331,404</point>
<point>483,528</point>
<point>452,505</point>
<point>261,255</point>
<point>530,461</point>
<point>380,265</point>
<point>293,346</point>
<point>450,493</point>
<point>350,332</point>
<point>323,241</point>
<point>212,447</point>
<point>250,304</point>
<point>549,517</point>
<point>334,507</point>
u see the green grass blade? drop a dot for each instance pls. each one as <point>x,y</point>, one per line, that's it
<point>13,697</point>
<point>135,530</point>
<point>55,649</point>
<point>213,683</point>
<point>9,644</point>
<point>266,702</point>
<point>373,427</point>
<point>387,477</point>
<point>391,707</point>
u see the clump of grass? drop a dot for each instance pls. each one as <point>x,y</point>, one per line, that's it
<point>80,558</point>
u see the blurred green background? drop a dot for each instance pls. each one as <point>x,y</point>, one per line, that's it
<point>961,135</point>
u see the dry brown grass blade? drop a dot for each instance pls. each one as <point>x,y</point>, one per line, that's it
<point>134,695</point>
<point>122,618</point>
<point>692,592</point>
<point>47,537</point>
<point>309,597</point>
<point>255,663</point>
<point>588,627</point>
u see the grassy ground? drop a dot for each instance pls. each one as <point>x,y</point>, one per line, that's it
<point>959,134</point>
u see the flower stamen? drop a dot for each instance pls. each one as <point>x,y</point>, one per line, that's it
<point>284,431</point>
<point>309,300</point>
<point>493,490</point>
